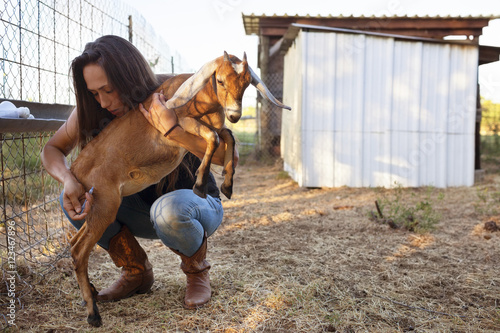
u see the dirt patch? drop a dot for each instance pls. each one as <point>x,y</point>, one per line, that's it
<point>291,259</point>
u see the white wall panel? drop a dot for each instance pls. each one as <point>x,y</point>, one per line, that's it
<point>315,110</point>
<point>406,86</point>
<point>377,111</point>
<point>374,110</point>
<point>376,159</point>
<point>291,124</point>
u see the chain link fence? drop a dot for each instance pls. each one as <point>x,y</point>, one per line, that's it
<point>42,37</point>
<point>258,132</point>
<point>269,120</point>
<point>32,231</point>
<point>39,40</point>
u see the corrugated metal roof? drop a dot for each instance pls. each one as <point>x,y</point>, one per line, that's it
<point>251,22</point>
<point>378,16</point>
<point>294,29</point>
<point>487,54</point>
<point>490,16</point>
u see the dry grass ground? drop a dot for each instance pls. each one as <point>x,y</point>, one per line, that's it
<point>291,259</point>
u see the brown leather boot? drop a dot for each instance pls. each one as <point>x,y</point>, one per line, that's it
<point>196,268</point>
<point>137,273</point>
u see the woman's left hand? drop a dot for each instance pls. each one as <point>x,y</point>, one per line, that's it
<point>158,115</point>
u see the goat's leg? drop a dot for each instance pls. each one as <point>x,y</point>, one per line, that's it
<point>102,214</point>
<point>78,235</point>
<point>193,126</point>
<point>75,239</point>
<point>80,253</point>
<point>228,172</point>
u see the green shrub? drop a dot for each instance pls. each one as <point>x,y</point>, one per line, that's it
<point>403,209</point>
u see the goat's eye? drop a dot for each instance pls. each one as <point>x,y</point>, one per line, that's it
<point>220,82</point>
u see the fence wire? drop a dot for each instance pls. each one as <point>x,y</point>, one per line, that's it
<point>269,121</point>
<point>38,41</point>
<point>32,232</point>
<point>40,38</point>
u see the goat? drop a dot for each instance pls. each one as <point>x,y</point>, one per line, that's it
<point>130,154</point>
<point>205,115</point>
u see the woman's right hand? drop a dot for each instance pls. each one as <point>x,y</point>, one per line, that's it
<point>158,115</point>
<point>54,160</point>
<point>73,198</point>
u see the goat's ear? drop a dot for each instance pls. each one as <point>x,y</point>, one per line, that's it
<point>192,86</point>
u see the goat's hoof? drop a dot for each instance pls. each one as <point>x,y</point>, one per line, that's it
<point>94,320</point>
<point>200,193</point>
<point>227,190</point>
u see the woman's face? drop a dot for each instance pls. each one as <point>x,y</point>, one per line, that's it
<point>105,94</point>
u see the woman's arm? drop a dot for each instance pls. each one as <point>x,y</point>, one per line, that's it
<point>165,120</point>
<point>54,161</point>
<point>57,148</point>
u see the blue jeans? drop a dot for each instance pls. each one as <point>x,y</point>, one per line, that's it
<point>179,218</point>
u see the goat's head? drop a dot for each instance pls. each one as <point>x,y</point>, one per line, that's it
<point>230,77</point>
<point>230,80</point>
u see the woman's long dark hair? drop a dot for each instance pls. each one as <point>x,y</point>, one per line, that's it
<point>128,72</point>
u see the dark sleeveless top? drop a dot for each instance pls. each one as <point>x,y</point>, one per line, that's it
<point>185,180</point>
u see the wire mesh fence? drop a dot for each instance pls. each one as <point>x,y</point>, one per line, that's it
<point>40,38</point>
<point>32,231</point>
<point>259,130</point>
<point>39,41</point>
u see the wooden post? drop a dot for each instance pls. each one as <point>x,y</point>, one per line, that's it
<point>479,113</point>
<point>130,30</point>
<point>264,110</point>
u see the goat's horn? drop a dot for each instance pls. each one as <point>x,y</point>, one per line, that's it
<point>192,86</point>
<point>244,56</point>
<point>226,56</point>
<point>257,82</point>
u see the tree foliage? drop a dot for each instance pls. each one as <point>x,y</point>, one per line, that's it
<point>490,122</point>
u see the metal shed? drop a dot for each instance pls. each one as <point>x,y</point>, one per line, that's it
<point>374,109</point>
<point>273,33</point>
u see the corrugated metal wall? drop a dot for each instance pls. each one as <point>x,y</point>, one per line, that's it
<point>291,126</point>
<point>372,111</point>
